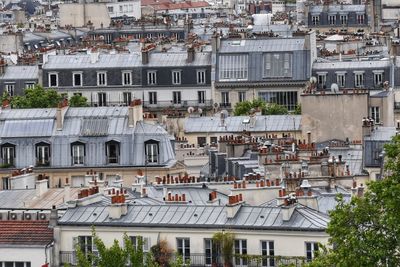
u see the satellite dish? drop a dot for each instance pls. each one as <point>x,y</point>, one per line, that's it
<point>334,88</point>
<point>313,80</point>
<point>199,110</point>
<point>190,110</point>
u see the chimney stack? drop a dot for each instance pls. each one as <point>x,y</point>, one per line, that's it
<point>60,113</point>
<point>2,65</point>
<point>67,191</point>
<point>190,54</point>
<point>135,112</point>
<point>41,187</point>
<point>232,208</point>
<point>94,56</point>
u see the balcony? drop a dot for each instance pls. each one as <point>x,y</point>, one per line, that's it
<point>182,105</point>
<point>225,105</point>
<point>203,260</point>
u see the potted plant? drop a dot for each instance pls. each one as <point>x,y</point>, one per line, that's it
<point>225,242</point>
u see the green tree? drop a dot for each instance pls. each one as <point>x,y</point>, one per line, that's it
<point>297,109</point>
<point>78,101</point>
<point>247,107</point>
<point>274,109</point>
<point>366,231</point>
<point>37,97</point>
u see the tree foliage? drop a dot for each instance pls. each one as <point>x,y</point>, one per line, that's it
<point>36,97</point>
<point>246,107</point>
<point>225,242</point>
<point>78,101</point>
<point>366,231</point>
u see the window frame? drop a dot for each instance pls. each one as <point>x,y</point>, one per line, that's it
<point>151,77</point>
<point>81,158</point>
<point>100,81</point>
<point>376,114</point>
<point>42,156</point>
<point>182,250</point>
<point>153,98</point>
<point>177,97</point>
<point>113,159</point>
<point>153,146</point>
<point>129,75</point>
<point>201,76</point>
<point>80,73</point>
<point>241,249</point>
<point>176,77</point>
<point>201,97</point>
<point>313,247</point>
<point>267,251</point>
<point>50,80</point>
<point>9,87</point>
<point>11,154</point>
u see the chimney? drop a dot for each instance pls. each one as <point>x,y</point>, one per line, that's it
<point>2,65</point>
<point>67,191</point>
<point>190,54</point>
<point>287,212</point>
<point>94,56</point>
<point>145,56</point>
<point>60,113</point>
<point>117,207</point>
<point>215,42</point>
<point>53,217</point>
<point>41,187</point>
<point>135,112</point>
<point>232,208</point>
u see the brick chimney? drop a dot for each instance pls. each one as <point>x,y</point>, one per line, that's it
<point>60,113</point>
<point>118,207</point>
<point>190,54</point>
<point>234,205</point>
<point>67,191</point>
<point>135,112</point>
<point>41,187</point>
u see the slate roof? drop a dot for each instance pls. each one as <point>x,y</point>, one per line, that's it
<point>25,233</point>
<point>261,45</point>
<point>337,8</point>
<point>272,123</point>
<point>20,73</point>
<point>364,64</point>
<point>199,216</point>
<point>106,61</point>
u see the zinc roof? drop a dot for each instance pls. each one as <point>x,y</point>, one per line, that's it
<point>27,128</point>
<point>20,72</point>
<point>364,64</point>
<point>261,45</point>
<point>191,216</point>
<point>272,123</point>
<point>156,59</point>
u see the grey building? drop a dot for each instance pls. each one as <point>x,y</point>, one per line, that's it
<point>14,79</point>
<point>338,16</point>
<point>272,69</point>
<point>365,74</point>
<point>162,80</point>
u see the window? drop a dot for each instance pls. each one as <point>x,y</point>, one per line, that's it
<point>213,140</point>
<point>321,80</point>
<point>151,77</point>
<point>152,98</point>
<point>42,154</point>
<point>77,79</point>
<point>151,151</point>
<point>378,78</point>
<point>311,247</point>
<point>201,77</point>
<point>145,241</point>
<point>127,98</point>
<point>201,97</point>
<point>112,152</point>
<point>210,252</point>
<point>225,99</point>
<point>15,264</point>
<point>360,18</point>
<point>332,19</point>
<point>29,85</point>
<point>201,141</point>
<point>240,248</point>
<point>343,19</point>
<point>277,65</point>
<point>242,96</point>
<point>176,97</point>
<point>287,99</point>
<point>126,78</point>
<point>110,9</point>
<point>101,78</point>
<point>101,99</point>
<point>315,20</point>
<point>183,248</point>
<point>267,249</point>
<point>86,245</point>
<point>6,183</point>
<point>233,67</point>
<point>77,153</point>
<point>341,79</point>
<point>8,154</point>
<point>375,114</point>
<point>9,88</point>
<point>359,79</point>
<point>53,79</point>
<point>176,77</point>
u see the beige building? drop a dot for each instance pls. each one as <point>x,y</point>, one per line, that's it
<point>79,15</point>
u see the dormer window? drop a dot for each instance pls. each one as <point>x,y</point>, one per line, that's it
<point>78,153</point>
<point>8,154</point>
<point>112,152</point>
<point>152,151</point>
<point>42,154</point>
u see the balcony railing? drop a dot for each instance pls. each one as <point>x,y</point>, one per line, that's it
<point>182,104</point>
<point>203,260</point>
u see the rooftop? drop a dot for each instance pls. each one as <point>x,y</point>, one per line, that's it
<point>32,233</point>
<point>262,45</point>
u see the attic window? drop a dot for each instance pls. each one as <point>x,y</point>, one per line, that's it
<point>152,151</point>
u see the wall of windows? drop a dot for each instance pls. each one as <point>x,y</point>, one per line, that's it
<point>277,65</point>
<point>287,99</point>
<point>233,67</point>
